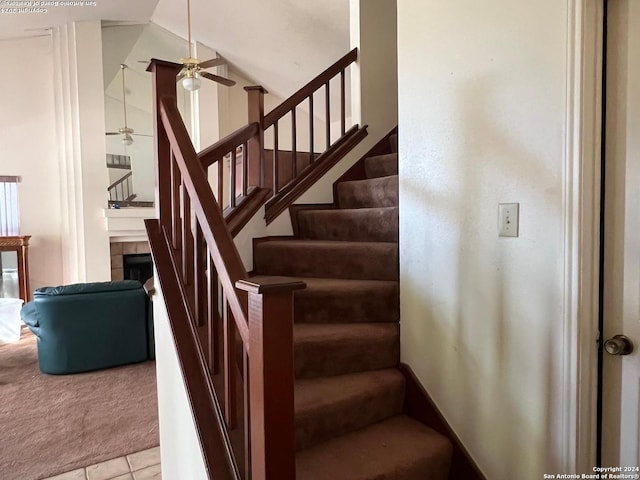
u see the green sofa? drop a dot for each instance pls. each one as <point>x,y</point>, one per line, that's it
<point>90,326</point>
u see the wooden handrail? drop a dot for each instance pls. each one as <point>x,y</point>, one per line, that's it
<point>119,181</point>
<point>191,358</point>
<point>212,154</point>
<point>302,94</point>
<point>225,254</point>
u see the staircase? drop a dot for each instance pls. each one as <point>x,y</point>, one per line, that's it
<point>349,392</point>
<point>292,372</point>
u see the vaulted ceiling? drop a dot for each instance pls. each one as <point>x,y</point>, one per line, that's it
<point>280,44</point>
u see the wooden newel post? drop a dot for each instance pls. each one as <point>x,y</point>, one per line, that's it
<point>271,376</point>
<point>164,85</point>
<point>255,145</point>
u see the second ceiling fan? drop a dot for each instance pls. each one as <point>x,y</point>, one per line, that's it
<point>126,131</point>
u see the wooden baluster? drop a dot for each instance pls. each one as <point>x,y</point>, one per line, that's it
<point>213,317</point>
<point>342,104</point>
<point>187,239</point>
<point>200,276</point>
<point>245,173</point>
<point>221,184</point>
<point>276,154</point>
<point>271,374</point>
<point>232,180</point>
<point>311,131</point>
<point>294,156</point>
<point>256,144</point>
<point>164,85</point>
<point>328,113</point>
<point>230,407</point>
<point>176,180</point>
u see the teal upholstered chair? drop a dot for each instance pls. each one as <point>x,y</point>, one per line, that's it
<point>90,326</point>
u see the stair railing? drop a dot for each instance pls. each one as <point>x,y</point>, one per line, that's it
<point>304,165</point>
<point>245,385</point>
<point>121,190</point>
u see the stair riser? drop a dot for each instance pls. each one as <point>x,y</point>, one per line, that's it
<point>377,192</point>
<point>373,225</point>
<point>381,166</point>
<point>379,305</point>
<point>369,261</point>
<point>335,419</point>
<point>339,357</point>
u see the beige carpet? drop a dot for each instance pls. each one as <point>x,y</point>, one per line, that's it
<point>54,424</point>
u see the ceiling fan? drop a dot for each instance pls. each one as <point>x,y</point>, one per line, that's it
<point>193,69</point>
<point>126,132</point>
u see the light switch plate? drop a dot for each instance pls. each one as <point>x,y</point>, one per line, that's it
<point>508,219</point>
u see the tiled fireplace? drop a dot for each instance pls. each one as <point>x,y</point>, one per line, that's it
<point>119,250</point>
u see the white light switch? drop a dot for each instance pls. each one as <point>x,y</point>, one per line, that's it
<point>508,214</point>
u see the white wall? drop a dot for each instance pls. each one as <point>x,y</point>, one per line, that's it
<point>482,109</point>
<point>374,82</point>
<point>179,446</point>
<point>28,145</point>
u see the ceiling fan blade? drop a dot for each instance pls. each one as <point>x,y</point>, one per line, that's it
<point>141,135</point>
<point>219,79</point>
<point>214,62</point>
<point>113,133</point>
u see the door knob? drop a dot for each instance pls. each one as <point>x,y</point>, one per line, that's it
<point>618,345</point>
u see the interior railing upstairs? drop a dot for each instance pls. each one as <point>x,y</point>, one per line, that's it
<point>289,148</point>
<point>233,334</point>
<point>121,191</point>
<point>297,151</point>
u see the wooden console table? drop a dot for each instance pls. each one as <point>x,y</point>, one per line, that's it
<point>20,245</point>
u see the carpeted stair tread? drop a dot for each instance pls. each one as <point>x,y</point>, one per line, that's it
<point>331,406</point>
<point>393,140</point>
<point>381,165</point>
<point>339,348</point>
<point>337,300</point>
<point>372,192</point>
<point>398,448</point>
<point>359,224</point>
<point>324,258</point>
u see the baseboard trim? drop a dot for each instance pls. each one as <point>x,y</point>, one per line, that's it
<point>418,404</point>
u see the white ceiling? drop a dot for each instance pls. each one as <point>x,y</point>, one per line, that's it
<point>280,44</point>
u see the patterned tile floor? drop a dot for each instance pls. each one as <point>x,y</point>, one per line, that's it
<point>143,465</point>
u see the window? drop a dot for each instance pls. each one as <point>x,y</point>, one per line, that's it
<point>9,213</point>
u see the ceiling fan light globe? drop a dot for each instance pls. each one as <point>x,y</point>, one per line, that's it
<point>127,140</point>
<point>190,83</point>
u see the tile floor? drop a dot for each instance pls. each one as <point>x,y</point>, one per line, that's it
<point>144,465</point>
